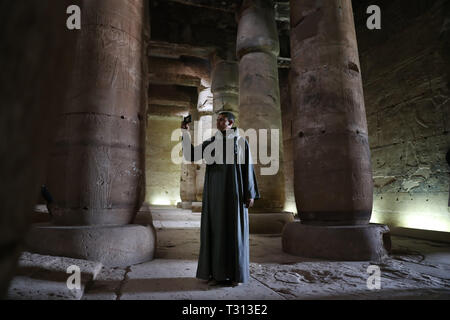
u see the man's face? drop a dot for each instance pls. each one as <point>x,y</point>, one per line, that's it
<point>223,124</point>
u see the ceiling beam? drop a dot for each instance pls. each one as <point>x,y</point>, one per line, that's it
<point>191,67</point>
<point>167,111</point>
<point>176,96</point>
<point>164,49</point>
<point>188,72</point>
<point>282,8</point>
<point>165,70</point>
<point>222,5</point>
<point>174,79</point>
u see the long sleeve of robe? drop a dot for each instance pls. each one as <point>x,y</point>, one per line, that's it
<point>224,233</point>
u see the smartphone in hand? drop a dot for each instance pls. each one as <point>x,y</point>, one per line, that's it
<point>187,119</point>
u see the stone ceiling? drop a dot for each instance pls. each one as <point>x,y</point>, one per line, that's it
<point>205,25</point>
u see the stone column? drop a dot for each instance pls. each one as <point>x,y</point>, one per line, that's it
<point>97,162</point>
<point>225,88</point>
<point>32,87</point>
<point>225,94</point>
<point>333,176</point>
<point>144,210</point>
<point>225,97</point>
<point>188,190</point>
<point>259,106</point>
<point>203,132</point>
<point>288,140</point>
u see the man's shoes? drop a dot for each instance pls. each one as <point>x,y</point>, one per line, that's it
<point>213,282</point>
<point>229,283</point>
<point>223,283</point>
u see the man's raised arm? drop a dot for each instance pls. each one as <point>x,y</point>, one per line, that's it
<point>190,153</point>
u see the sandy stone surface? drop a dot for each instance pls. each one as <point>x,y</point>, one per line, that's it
<point>41,277</point>
<point>107,284</point>
<point>171,279</point>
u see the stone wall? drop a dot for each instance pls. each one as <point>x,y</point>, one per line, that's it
<point>162,175</point>
<point>407,102</point>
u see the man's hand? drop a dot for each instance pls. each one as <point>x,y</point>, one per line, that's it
<point>184,125</point>
<point>249,203</point>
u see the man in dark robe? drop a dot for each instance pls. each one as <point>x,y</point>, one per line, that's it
<point>230,188</point>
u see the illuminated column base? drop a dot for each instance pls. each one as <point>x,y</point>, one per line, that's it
<point>369,242</point>
<point>114,246</point>
<point>269,223</point>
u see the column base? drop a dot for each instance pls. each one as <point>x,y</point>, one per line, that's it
<point>369,242</point>
<point>145,208</point>
<point>196,206</point>
<point>184,205</point>
<point>114,246</point>
<point>269,223</point>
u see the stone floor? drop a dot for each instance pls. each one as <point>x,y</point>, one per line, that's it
<point>416,269</point>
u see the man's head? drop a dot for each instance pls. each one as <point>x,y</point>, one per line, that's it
<point>225,120</point>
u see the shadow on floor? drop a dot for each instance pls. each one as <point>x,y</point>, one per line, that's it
<point>165,285</point>
<point>46,274</point>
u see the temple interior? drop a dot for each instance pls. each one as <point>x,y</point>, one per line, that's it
<point>348,124</point>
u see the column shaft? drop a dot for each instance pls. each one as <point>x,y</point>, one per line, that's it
<point>204,131</point>
<point>97,163</point>
<point>188,182</point>
<point>288,140</point>
<point>333,176</point>
<point>259,102</point>
<point>225,88</point>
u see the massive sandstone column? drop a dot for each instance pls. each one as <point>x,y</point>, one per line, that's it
<point>330,122</point>
<point>188,190</point>
<point>288,139</point>
<point>225,97</point>
<point>193,174</point>
<point>259,100</point>
<point>333,177</point>
<point>225,88</point>
<point>215,94</point>
<point>97,163</point>
<point>203,132</point>
<point>259,108</point>
<point>34,62</point>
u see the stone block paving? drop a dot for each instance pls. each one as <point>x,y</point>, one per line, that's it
<point>416,269</point>
<point>45,278</point>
